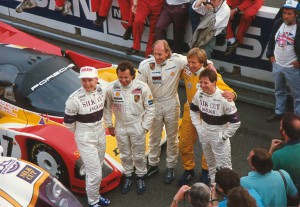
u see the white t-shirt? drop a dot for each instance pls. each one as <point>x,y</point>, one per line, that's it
<point>284,45</point>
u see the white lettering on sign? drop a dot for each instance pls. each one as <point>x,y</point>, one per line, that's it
<point>116,13</point>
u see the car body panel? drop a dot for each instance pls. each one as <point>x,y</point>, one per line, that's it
<point>25,184</point>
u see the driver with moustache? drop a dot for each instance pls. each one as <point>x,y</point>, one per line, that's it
<point>131,102</point>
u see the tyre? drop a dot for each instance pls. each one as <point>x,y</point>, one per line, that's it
<point>47,158</point>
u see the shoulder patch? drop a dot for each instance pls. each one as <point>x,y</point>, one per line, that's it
<point>187,71</point>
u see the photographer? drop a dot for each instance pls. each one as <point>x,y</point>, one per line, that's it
<point>197,196</point>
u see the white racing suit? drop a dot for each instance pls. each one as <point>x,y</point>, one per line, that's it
<point>163,81</point>
<point>134,111</point>
<point>219,121</point>
<point>83,116</point>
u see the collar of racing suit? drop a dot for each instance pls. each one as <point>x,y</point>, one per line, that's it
<point>129,85</point>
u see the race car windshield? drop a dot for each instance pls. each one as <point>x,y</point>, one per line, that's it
<point>52,96</point>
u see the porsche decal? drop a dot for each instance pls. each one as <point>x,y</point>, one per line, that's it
<point>57,73</point>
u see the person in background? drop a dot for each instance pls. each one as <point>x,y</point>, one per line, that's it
<point>26,4</point>
<point>131,102</point>
<point>197,196</point>
<point>101,7</point>
<point>226,180</point>
<point>216,120</point>
<point>176,12</point>
<point>285,153</point>
<point>284,53</point>
<point>144,9</point>
<point>197,62</point>
<point>247,10</point>
<point>221,15</point>
<point>162,73</point>
<point>240,197</point>
<point>83,116</point>
<point>279,13</point>
<point>274,187</point>
<point>128,10</point>
<point>62,6</point>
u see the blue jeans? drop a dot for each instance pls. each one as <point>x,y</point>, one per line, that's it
<point>286,77</point>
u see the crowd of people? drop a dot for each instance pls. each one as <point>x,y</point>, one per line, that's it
<point>148,101</point>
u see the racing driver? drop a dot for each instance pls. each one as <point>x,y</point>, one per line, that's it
<point>216,120</point>
<point>83,116</point>
<point>132,103</point>
<point>162,74</point>
<point>197,62</point>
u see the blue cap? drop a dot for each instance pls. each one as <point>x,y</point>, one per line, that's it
<point>290,4</point>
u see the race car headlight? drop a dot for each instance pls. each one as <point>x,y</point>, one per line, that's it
<point>60,195</point>
<point>56,190</point>
<point>79,169</point>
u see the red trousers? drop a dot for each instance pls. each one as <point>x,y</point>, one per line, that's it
<point>59,3</point>
<point>145,8</point>
<point>249,9</point>
<point>126,11</point>
<point>101,6</point>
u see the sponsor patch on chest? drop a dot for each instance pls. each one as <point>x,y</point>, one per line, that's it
<point>136,91</point>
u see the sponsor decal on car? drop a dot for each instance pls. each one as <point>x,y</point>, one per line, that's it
<point>29,174</point>
<point>9,166</point>
<point>8,108</point>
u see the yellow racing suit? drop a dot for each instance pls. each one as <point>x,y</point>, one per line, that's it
<point>188,133</point>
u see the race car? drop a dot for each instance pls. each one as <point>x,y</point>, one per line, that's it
<point>25,184</point>
<point>34,86</point>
